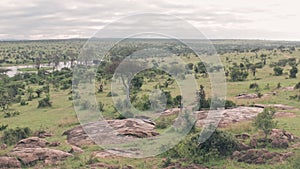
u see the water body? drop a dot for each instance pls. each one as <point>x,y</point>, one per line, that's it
<point>13,70</point>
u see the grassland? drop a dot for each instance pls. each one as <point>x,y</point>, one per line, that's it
<point>61,116</point>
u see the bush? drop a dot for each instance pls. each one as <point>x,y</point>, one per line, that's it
<point>253,86</point>
<point>45,102</point>
<point>264,121</point>
<point>278,71</point>
<point>12,136</point>
<point>3,127</point>
<point>297,86</point>
<point>23,102</point>
<point>293,72</point>
<point>11,114</point>
<point>110,94</point>
<point>220,144</point>
<point>101,106</point>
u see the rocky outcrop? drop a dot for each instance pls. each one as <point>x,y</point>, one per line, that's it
<point>75,150</point>
<point>31,150</point>
<point>242,136</point>
<point>9,162</point>
<point>228,116</point>
<point>111,131</point>
<point>30,156</point>
<point>42,134</point>
<point>3,146</point>
<point>277,106</point>
<point>133,127</point>
<point>247,96</point>
<point>281,138</point>
<point>260,156</point>
<point>169,112</point>
<point>32,142</point>
<point>178,165</point>
<point>108,166</point>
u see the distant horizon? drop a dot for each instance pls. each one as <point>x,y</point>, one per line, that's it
<point>87,38</point>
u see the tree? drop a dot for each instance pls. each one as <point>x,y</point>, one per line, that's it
<point>203,103</point>
<point>126,71</point>
<point>137,82</point>
<point>237,75</point>
<point>263,58</point>
<point>265,121</point>
<point>277,71</point>
<point>39,92</point>
<point>293,72</point>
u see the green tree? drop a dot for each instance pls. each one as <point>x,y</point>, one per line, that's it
<point>265,121</point>
<point>238,75</point>
<point>293,72</point>
<point>277,71</point>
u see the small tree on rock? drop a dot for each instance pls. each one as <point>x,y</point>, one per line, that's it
<point>265,121</point>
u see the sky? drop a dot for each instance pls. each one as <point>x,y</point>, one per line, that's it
<point>216,19</point>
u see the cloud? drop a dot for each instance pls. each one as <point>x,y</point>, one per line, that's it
<point>46,19</point>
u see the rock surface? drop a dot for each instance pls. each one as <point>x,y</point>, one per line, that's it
<point>9,162</point>
<point>179,165</point>
<point>107,166</point>
<point>32,142</point>
<point>75,149</point>
<point>3,146</point>
<point>281,138</point>
<point>111,131</point>
<point>260,156</point>
<point>30,156</point>
<point>42,134</point>
<point>277,106</point>
<point>228,116</point>
<point>247,96</point>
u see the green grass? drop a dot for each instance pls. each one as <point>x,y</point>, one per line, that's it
<point>61,116</point>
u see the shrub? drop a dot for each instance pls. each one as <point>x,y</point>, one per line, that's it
<point>220,144</point>
<point>101,106</point>
<point>253,86</point>
<point>297,86</point>
<point>11,114</point>
<point>278,71</point>
<point>293,72</point>
<point>12,136</point>
<point>45,102</point>
<point>23,102</point>
<point>3,127</point>
<point>110,94</point>
<point>264,121</point>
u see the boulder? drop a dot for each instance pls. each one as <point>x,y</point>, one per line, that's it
<point>133,127</point>
<point>277,106</point>
<point>253,143</point>
<point>75,149</point>
<point>243,146</point>
<point>42,134</point>
<point>108,166</point>
<point>111,132</point>
<point>227,116</point>
<point>30,156</point>
<point>9,162</point>
<point>32,142</point>
<point>242,136</point>
<point>281,138</point>
<point>247,96</point>
<point>3,146</point>
<point>169,112</point>
<point>260,156</point>
<point>54,144</point>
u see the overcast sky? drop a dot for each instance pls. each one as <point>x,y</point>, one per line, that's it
<point>238,19</point>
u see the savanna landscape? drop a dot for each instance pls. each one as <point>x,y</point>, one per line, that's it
<point>43,105</point>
